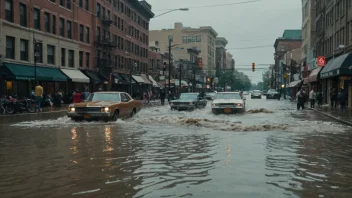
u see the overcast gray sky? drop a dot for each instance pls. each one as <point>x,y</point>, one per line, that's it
<point>243,25</point>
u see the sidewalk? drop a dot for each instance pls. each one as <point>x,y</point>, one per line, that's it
<point>343,117</point>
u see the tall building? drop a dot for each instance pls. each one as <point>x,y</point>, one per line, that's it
<point>290,40</point>
<point>202,38</point>
<point>308,33</point>
<point>334,41</point>
<point>220,58</point>
<point>68,37</point>
<point>229,59</point>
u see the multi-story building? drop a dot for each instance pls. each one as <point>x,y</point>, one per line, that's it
<point>308,34</point>
<point>229,61</point>
<point>334,41</point>
<point>290,40</point>
<point>220,57</point>
<point>202,38</point>
<point>68,37</point>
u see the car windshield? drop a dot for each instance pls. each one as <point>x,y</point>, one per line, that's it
<point>272,91</point>
<point>188,96</point>
<point>228,96</point>
<point>257,92</point>
<point>103,97</point>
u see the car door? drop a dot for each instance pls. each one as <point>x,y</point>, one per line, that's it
<point>123,106</point>
<point>129,104</point>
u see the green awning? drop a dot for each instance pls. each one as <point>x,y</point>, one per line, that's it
<point>25,72</point>
<point>339,66</point>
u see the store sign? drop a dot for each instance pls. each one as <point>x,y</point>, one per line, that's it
<point>321,61</point>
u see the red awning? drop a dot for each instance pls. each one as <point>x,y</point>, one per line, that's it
<point>313,77</point>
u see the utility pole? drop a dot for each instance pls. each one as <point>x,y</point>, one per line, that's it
<point>179,80</point>
<point>170,64</point>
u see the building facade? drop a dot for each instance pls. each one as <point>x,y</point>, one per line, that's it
<point>220,58</point>
<point>202,38</point>
<point>229,63</point>
<point>334,41</point>
<point>308,34</point>
<point>96,37</point>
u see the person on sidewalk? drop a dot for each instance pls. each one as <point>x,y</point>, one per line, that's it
<point>77,97</point>
<point>300,100</point>
<point>333,98</point>
<point>38,95</point>
<point>319,99</point>
<point>342,100</point>
<point>312,96</point>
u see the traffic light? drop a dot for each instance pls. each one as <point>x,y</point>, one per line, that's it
<point>253,67</point>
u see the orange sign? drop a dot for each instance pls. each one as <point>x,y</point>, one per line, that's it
<point>321,61</point>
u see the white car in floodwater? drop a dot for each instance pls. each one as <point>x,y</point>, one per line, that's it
<point>228,102</point>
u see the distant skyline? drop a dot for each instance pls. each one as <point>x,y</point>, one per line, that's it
<point>250,28</point>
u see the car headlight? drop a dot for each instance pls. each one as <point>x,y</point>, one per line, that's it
<point>71,109</point>
<point>215,105</point>
<point>106,109</point>
<point>239,105</point>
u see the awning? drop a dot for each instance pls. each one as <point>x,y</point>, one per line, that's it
<point>76,75</point>
<point>341,65</point>
<point>126,77</point>
<point>117,78</point>
<point>313,77</point>
<point>26,72</point>
<point>93,76</point>
<point>138,79</point>
<point>146,80</point>
<point>155,84</point>
<point>104,76</point>
<point>295,83</point>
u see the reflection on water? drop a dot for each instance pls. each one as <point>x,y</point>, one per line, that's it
<point>139,158</point>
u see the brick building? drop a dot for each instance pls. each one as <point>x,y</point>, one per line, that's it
<point>96,37</point>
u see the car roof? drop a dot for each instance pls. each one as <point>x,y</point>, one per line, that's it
<point>190,93</point>
<point>109,92</point>
<point>230,92</point>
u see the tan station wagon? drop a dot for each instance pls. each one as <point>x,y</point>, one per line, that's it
<point>104,106</point>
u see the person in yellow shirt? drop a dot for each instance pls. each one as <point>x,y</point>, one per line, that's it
<point>38,94</point>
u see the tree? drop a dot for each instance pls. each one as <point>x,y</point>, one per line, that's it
<point>237,80</point>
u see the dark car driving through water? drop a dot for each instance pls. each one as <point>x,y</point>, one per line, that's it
<point>256,94</point>
<point>210,95</point>
<point>188,101</point>
<point>272,94</point>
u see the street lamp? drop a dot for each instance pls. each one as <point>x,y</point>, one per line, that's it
<point>36,54</point>
<point>179,9</point>
<point>132,69</point>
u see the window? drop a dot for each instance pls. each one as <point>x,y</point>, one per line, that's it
<point>81,59</point>
<point>68,4</point>
<point>69,30</point>
<point>198,39</point>
<point>98,33</point>
<point>51,54</point>
<point>81,29</point>
<point>98,10</point>
<point>10,47</point>
<point>62,2</point>
<point>63,57</point>
<point>108,15</point>
<point>87,5</point>
<point>87,34</point>
<point>54,24</point>
<point>36,19</point>
<point>70,58</point>
<point>23,15</point>
<point>39,52</point>
<point>103,12</point>
<point>24,49</point>
<point>9,10</point>
<point>47,21</point>
<point>87,59</point>
<point>80,3</point>
<point>61,26</point>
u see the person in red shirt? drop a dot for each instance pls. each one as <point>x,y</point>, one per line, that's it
<point>77,97</point>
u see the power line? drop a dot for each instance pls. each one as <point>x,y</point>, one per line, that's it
<point>217,5</point>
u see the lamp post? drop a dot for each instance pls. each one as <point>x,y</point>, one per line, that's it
<point>2,78</point>
<point>36,54</point>
<point>179,9</point>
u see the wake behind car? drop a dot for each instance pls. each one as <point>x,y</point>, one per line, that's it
<point>188,101</point>
<point>228,102</point>
<point>272,94</point>
<point>256,94</point>
<point>104,106</point>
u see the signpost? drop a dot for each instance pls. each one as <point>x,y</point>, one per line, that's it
<point>321,61</point>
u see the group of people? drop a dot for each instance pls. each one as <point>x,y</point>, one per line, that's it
<point>313,97</point>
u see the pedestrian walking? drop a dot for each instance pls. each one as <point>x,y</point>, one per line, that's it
<point>319,99</point>
<point>38,95</point>
<point>342,100</point>
<point>162,97</point>
<point>333,98</point>
<point>312,97</point>
<point>77,97</point>
<point>300,100</point>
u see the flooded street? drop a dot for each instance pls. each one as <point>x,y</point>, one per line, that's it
<point>273,152</point>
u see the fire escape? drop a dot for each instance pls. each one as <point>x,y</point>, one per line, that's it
<point>105,45</point>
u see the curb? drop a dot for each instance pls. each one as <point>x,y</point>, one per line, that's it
<point>333,117</point>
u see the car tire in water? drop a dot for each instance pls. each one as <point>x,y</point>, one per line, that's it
<point>133,113</point>
<point>115,117</point>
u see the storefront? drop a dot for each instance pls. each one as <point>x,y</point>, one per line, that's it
<point>94,80</point>
<point>336,75</point>
<point>294,87</point>
<point>20,79</point>
<point>313,80</point>
<point>77,80</point>
<point>120,82</point>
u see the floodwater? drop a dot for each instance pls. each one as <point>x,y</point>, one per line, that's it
<point>273,152</point>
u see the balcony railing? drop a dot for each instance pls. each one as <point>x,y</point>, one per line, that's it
<point>105,42</point>
<point>106,21</point>
<point>104,62</point>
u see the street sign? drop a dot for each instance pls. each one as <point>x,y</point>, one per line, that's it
<point>321,61</point>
